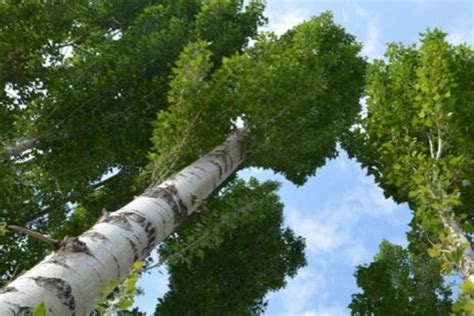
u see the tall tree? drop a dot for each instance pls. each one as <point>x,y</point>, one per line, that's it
<point>398,283</point>
<point>254,256</point>
<point>81,112</point>
<point>416,125</point>
<point>418,142</point>
<point>264,86</point>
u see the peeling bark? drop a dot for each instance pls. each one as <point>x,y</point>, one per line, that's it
<point>69,280</point>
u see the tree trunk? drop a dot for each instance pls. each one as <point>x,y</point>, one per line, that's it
<point>69,280</point>
<point>466,268</point>
<point>17,147</point>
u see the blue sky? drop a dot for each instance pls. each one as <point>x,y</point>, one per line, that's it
<point>340,211</point>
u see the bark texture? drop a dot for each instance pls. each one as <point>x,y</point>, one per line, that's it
<point>466,268</point>
<point>69,280</point>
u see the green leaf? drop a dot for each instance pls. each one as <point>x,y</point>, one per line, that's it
<point>434,252</point>
<point>39,310</point>
<point>113,284</point>
<point>3,228</point>
<point>138,265</point>
<point>467,286</point>
<point>99,309</point>
<point>106,290</point>
<point>125,304</point>
<point>446,267</point>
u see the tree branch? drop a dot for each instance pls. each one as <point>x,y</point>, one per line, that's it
<point>431,146</point>
<point>52,242</point>
<point>50,209</point>
<point>17,147</point>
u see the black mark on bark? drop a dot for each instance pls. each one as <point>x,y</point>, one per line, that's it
<point>95,236</point>
<point>146,225</point>
<point>118,220</point>
<point>74,245</point>
<point>224,155</point>
<point>8,289</point>
<point>200,168</point>
<point>59,260</point>
<point>18,310</point>
<point>117,264</point>
<point>170,195</point>
<point>134,249</point>
<point>195,174</point>
<point>60,288</point>
<point>218,166</point>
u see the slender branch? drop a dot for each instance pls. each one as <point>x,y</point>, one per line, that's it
<point>440,148</point>
<point>35,217</point>
<point>431,146</point>
<point>177,254</point>
<point>17,147</point>
<point>440,143</point>
<point>52,242</point>
<point>124,171</point>
<point>50,209</point>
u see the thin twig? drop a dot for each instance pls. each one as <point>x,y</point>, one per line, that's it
<point>52,242</point>
<point>431,146</point>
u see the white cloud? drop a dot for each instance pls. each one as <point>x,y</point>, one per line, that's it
<point>372,45</point>
<point>368,198</point>
<point>462,33</point>
<point>319,234</point>
<point>299,293</point>
<point>334,228</point>
<point>356,254</point>
<point>281,20</point>
<point>337,236</point>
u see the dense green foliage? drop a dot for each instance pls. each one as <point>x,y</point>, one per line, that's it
<point>85,81</point>
<point>397,283</point>
<point>418,139</point>
<point>296,98</point>
<point>231,257</point>
<point>296,94</point>
<point>91,112</point>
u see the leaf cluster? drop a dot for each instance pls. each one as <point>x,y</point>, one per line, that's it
<point>296,94</point>
<point>416,140</point>
<point>245,254</point>
<point>398,283</point>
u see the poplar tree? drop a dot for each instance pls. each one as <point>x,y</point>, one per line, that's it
<point>418,141</point>
<point>296,95</point>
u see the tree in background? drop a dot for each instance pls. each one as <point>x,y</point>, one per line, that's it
<point>253,254</point>
<point>399,283</point>
<point>418,142</point>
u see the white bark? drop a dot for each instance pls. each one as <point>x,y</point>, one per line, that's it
<point>69,280</point>
<point>18,147</point>
<point>456,234</point>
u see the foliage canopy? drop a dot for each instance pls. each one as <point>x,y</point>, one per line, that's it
<point>231,257</point>
<point>397,283</point>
